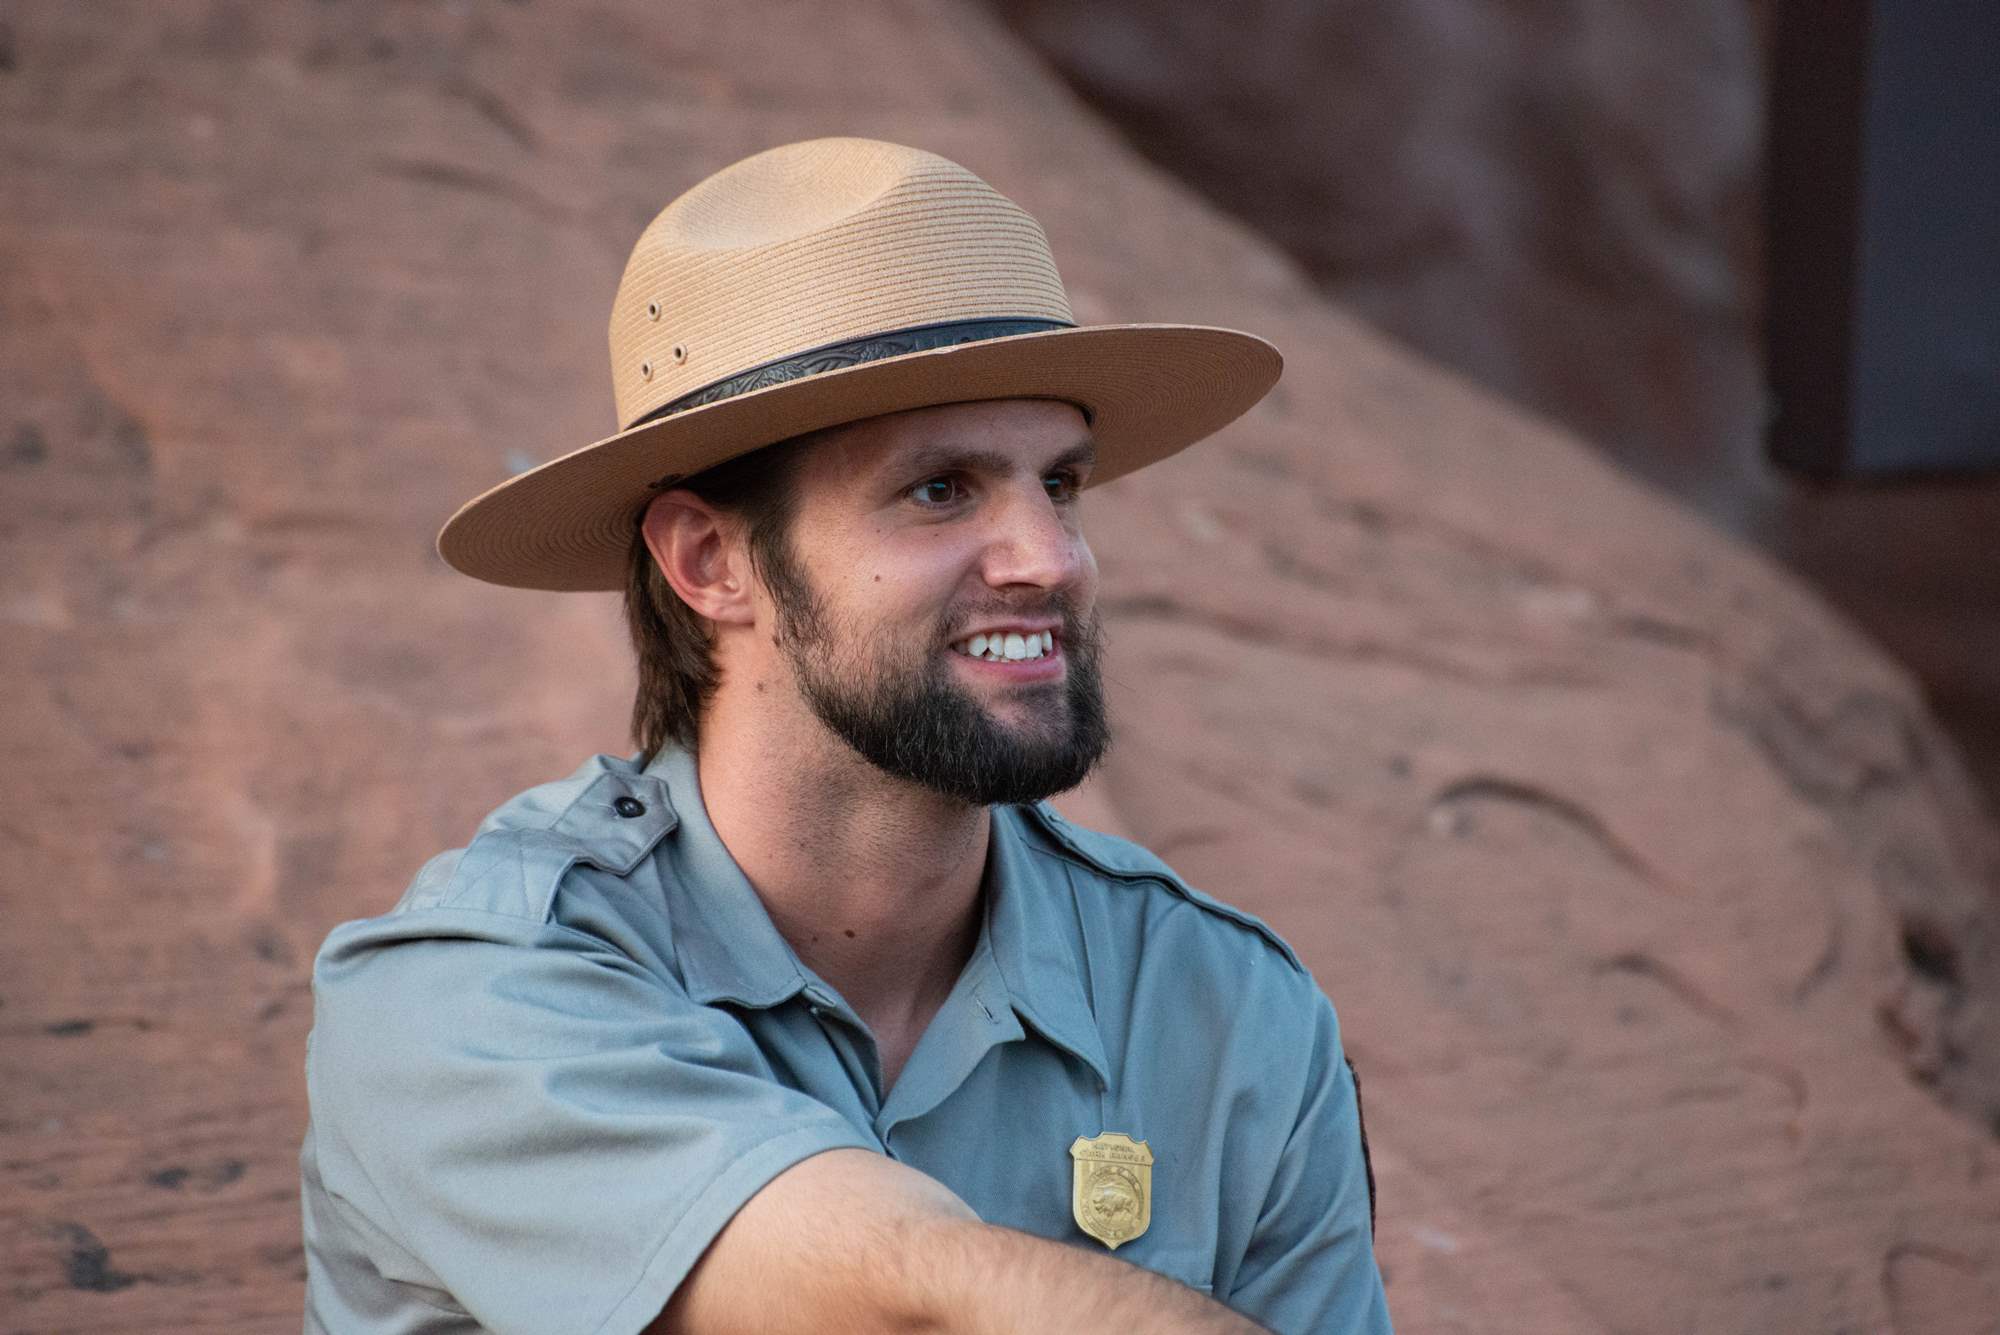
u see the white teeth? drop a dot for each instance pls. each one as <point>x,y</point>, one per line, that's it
<point>1012,647</point>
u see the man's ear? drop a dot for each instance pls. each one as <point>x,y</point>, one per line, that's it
<point>700,550</point>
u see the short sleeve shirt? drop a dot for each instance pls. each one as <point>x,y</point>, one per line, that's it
<point>545,1081</point>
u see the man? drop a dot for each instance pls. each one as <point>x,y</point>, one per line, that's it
<point>813,1017</point>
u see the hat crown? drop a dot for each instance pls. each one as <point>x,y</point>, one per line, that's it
<point>811,245</point>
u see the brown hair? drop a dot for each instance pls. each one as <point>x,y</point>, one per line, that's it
<point>675,644</point>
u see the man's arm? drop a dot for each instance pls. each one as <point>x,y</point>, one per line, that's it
<point>851,1241</point>
<point>1311,1265</point>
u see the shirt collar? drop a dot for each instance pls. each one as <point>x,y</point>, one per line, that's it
<point>1036,939</point>
<point>729,949</point>
<point>727,946</point>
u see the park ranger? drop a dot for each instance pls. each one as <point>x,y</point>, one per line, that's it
<point>813,1015</point>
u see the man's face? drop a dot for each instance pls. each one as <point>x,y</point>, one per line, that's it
<point>937,601</point>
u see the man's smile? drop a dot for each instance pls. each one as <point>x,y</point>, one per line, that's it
<point>1018,654</point>
<point>1007,645</point>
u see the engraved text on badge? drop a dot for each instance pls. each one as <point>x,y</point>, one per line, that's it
<point>1112,1192</point>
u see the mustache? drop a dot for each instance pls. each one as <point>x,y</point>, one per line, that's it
<point>1077,620</point>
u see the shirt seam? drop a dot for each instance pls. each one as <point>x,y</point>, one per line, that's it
<point>543,922</point>
<point>1228,913</point>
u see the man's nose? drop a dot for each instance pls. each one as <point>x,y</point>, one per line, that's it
<point>1035,542</point>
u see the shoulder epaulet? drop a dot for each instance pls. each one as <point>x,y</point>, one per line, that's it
<point>1123,860</point>
<point>607,815</point>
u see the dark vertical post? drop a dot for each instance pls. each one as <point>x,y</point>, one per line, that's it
<point>1819,63</point>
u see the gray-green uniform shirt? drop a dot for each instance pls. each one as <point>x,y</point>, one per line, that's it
<point>545,1081</point>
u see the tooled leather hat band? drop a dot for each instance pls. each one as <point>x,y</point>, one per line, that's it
<point>835,356</point>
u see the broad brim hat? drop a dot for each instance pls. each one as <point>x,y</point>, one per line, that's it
<point>822,283</point>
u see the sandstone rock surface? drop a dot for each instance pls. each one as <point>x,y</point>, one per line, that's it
<point>1658,913</point>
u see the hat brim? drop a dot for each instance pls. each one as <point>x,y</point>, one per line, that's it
<point>1150,391</point>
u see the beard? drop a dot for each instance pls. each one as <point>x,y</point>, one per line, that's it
<point>903,710</point>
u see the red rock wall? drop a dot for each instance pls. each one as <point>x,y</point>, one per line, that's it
<point>1605,837</point>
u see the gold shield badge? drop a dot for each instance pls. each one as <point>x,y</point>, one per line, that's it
<point>1112,1195</point>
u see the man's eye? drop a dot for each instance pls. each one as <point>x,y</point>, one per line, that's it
<point>935,491</point>
<point>1060,486</point>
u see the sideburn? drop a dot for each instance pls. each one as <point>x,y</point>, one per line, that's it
<point>674,644</point>
<point>675,647</point>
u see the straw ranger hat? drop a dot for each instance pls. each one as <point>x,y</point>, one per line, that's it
<point>821,283</point>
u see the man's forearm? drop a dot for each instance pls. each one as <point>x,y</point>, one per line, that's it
<point>852,1241</point>
<point>981,1280</point>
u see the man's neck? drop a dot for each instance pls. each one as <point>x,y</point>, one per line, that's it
<point>874,881</point>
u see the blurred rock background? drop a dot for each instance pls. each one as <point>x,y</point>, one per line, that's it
<point>1658,907</point>
<point>1561,199</point>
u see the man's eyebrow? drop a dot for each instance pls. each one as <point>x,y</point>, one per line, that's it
<point>1080,455</point>
<point>948,458</point>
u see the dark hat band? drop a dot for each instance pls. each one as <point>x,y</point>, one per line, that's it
<point>836,356</point>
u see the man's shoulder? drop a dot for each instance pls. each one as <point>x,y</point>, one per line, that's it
<point>1122,863</point>
<point>608,815</point>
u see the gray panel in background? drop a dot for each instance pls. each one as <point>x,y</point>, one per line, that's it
<point>1926,346</point>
